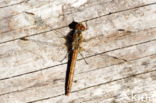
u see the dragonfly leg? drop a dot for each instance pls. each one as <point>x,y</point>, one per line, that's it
<point>83,58</point>
<point>94,53</point>
<point>64,57</point>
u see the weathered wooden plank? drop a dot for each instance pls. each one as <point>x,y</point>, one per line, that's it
<point>26,24</point>
<point>68,7</point>
<point>37,56</point>
<point>136,75</point>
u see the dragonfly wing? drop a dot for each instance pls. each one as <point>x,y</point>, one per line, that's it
<point>102,43</point>
<point>53,49</point>
<point>92,44</point>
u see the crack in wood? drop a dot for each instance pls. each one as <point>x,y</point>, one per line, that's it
<point>14,4</point>
<point>111,13</point>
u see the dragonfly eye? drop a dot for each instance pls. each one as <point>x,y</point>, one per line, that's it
<point>80,27</point>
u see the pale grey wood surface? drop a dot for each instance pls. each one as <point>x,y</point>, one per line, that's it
<point>120,49</point>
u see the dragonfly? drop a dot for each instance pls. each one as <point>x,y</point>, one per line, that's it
<point>71,44</point>
<point>75,47</point>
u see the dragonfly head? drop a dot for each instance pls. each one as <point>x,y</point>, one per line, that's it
<point>80,27</point>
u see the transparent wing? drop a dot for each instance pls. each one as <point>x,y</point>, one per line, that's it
<point>49,45</point>
<point>52,44</point>
<point>100,40</point>
<point>101,43</point>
